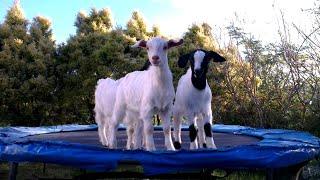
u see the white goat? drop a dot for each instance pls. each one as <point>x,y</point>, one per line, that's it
<point>104,102</point>
<point>141,94</point>
<point>193,99</point>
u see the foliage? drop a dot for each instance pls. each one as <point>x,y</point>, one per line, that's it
<point>26,69</point>
<point>263,85</point>
<point>136,27</point>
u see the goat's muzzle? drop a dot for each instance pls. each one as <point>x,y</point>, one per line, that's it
<point>155,60</point>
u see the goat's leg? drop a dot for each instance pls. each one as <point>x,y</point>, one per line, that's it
<point>102,125</point>
<point>105,129</point>
<point>207,119</point>
<point>177,130</point>
<point>99,121</point>
<point>118,114</point>
<point>165,116</point>
<point>201,133</point>
<point>147,114</point>
<point>113,128</point>
<point>100,132</point>
<point>130,132</point>
<point>193,131</point>
<point>137,134</point>
<point>148,134</point>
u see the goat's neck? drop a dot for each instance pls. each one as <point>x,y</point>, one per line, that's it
<point>199,83</point>
<point>161,74</point>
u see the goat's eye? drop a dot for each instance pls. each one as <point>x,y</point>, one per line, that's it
<point>147,48</point>
<point>165,47</point>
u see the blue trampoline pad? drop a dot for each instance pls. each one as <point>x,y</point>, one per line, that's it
<point>239,147</point>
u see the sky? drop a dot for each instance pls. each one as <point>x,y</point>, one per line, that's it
<point>259,17</point>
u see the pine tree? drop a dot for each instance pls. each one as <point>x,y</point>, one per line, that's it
<point>24,60</point>
<point>88,56</point>
<point>96,21</point>
<point>136,26</point>
<point>199,36</point>
<point>155,31</point>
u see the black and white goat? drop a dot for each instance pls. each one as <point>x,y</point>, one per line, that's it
<point>193,99</point>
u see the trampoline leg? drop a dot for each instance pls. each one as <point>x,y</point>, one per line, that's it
<point>13,171</point>
<point>44,168</point>
<point>292,172</point>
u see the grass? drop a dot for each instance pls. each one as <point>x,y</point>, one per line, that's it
<point>32,171</point>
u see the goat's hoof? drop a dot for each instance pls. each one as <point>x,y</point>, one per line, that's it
<point>204,145</point>
<point>177,145</point>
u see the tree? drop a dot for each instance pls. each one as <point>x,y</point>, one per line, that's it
<point>25,59</point>
<point>155,31</point>
<point>199,36</point>
<point>86,58</point>
<point>96,21</point>
<point>136,26</point>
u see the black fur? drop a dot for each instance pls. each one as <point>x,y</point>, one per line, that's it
<point>199,78</point>
<point>204,145</point>
<point>215,56</point>
<point>193,131</point>
<point>199,82</point>
<point>208,130</point>
<point>177,145</point>
<point>183,60</point>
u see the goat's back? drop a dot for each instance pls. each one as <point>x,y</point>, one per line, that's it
<point>141,88</point>
<point>105,96</point>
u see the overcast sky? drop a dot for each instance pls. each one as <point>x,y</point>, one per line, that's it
<point>174,16</point>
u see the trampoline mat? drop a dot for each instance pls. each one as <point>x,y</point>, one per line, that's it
<point>91,138</point>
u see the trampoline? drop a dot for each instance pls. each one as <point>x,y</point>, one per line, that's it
<point>277,151</point>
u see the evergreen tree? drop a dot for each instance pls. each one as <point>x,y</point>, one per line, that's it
<point>199,36</point>
<point>88,56</point>
<point>96,21</point>
<point>26,82</point>
<point>155,31</point>
<point>136,26</point>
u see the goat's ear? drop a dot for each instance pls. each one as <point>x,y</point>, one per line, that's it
<point>173,43</point>
<point>183,60</point>
<point>142,43</point>
<point>216,57</point>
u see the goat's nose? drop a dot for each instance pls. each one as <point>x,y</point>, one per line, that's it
<point>155,58</point>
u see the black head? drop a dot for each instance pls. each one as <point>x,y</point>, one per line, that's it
<point>199,60</point>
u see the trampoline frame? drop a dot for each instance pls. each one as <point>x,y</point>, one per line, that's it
<point>310,149</point>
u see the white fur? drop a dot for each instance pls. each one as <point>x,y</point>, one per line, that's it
<point>104,103</point>
<point>194,105</point>
<point>137,97</point>
<point>198,58</point>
